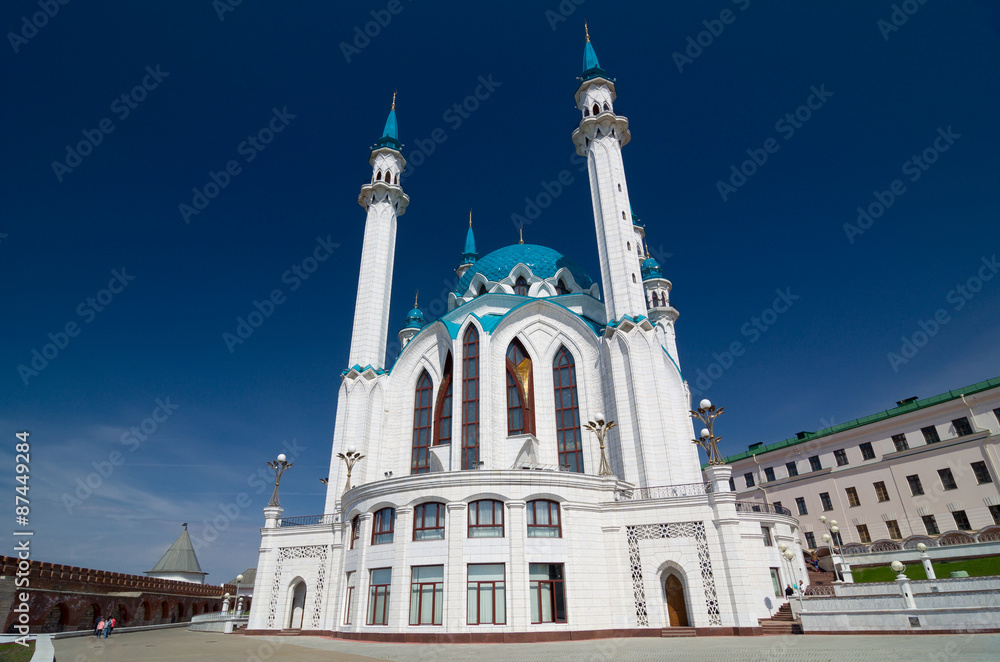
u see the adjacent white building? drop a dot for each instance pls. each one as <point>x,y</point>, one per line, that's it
<point>480,507</point>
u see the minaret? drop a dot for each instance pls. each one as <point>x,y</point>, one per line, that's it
<point>384,200</point>
<point>469,255</point>
<point>600,137</point>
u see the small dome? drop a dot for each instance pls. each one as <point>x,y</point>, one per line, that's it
<point>543,262</point>
<point>414,319</point>
<point>651,269</point>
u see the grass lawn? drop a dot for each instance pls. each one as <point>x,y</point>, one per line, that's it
<point>975,567</point>
<point>17,652</point>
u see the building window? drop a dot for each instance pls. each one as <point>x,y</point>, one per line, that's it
<point>930,434</point>
<point>982,473</point>
<point>766,532</point>
<point>800,503</point>
<point>852,497</point>
<point>543,519</point>
<point>863,534</point>
<point>841,456</point>
<point>420,461</point>
<point>521,286</point>
<point>776,584</point>
<point>793,470</point>
<point>962,426</point>
<point>349,602</point>
<point>930,525</point>
<point>568,434</point>
<point>561,287</point>
<point>769,474</point>
<point>824,498</point>
<point>520,391</point>
<point>880,491</point>
<point>961,520</point>
<point>355,529</point>
<point>486,519</point>
<point>748,477</point>
<point>378,596</point>
<point>777,505</point>
<point>442,422</point>
<point>548,598</point>
<point>996,412</point>
<point>428,521</point>
<point>815,463</point>
<point>893,528</point>
<point>900,441</point>
<point>427,595</point>
<point>732,484</point>
<point>916,489</point>
<point>837,540</point>
<point>382,526</point>
<point>487,594</point>
<point>995,514</point>
<point>947,480</point>
<point>867,452</point>
<point>470,399</point>
<point>810,540</point>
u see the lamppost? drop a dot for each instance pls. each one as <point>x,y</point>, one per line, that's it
<point>834,530</point>
<point>239,598</point>
<point>279,467</point>
<point>926,561</point>
<point>350,458</point>
<point>600,427</point>
<point>707,413</point>
<point>788,556</point>
<point>225,603</point>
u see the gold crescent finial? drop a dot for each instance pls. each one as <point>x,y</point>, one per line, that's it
<point>394,99</point>
<point>586,31</point>
<point>470,218</point>
<point>416,296</point>
<point>520,234</point>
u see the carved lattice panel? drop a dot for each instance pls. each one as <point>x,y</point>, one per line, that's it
<point>317,552</point>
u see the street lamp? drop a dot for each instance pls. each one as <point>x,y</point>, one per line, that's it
<point>600,427</point>
<point>789,555</point>
<point>832,527</point>
<point>279,467</point>
<point>707,413</point>
<point>350,458</point>
<point>926,560</point>
<point>239,598</point>
<point>898,568</point>
<point>225,603</point>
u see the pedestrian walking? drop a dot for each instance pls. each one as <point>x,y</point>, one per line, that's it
<point>99,627</point>
<point>114,622</point>
<point>107,628</point>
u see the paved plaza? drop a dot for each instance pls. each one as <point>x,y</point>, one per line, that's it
<point>186,645</point>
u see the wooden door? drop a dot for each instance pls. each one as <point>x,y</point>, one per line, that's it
<point>676,605</point>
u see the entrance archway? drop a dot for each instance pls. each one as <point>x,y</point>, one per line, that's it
<point>298,606</point>
<point>676,603</point>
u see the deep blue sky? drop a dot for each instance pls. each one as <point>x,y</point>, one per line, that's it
<point>823,361</point>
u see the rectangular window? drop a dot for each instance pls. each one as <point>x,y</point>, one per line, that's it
<point>382,526</point>
<point>487,594</point>
<point>428,521</point>
<point>548,597</point>
<point>349,601</point>
<point>995,514</point>
<point>962,426</point>
<point>378,596</point>
<point>867,452</point>
<point>800,503</point>
<point>769,474</point>
<point>427,595</point>
<point>777,505</point>
<point>947,480</point>
<point>776,583</point>
<point>749,479</point>
<point>793,470</point>
<point>930,525</point>
<point>543,519</point>
<point>841,456</point>
<point>880,492</point>
<point>810,540</point>
<point>863,534</point>
<point>930,434</point>
<point>732,484</point>
<point>982,473</point>
<point>767,536</point>
<point>900,441</point>
<point>961,520</point>
<point>824,498</point>
<point>815,463</point>
<point>916,489</point>
<point>486,519</point>
<point>852,497</point>
<point>837,540</point>
<point>355,529</point>
<point>893,527</point>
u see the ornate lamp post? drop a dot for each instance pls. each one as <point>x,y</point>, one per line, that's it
<point>707,413</point>
<point>239,598</point>
<point>788,555</point>
<point>225,603</point>
<point>350,458</point>
<point>926,560</point>
<point>600,427</point>
<point>279,467</point>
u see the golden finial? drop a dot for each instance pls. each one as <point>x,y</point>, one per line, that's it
<point>416,296</point>
<point>520,234</point>
<point>586,31</point>
<point>394,97</point>
<point>470,219</point>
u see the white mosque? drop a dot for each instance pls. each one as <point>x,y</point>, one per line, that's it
<point>483,509</point>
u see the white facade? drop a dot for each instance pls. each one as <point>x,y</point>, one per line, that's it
<point>477,429</point>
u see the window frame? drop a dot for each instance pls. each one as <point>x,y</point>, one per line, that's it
<point>355,530</point>
<point>373,591</point>
<point>496,506</point>
<point>915,489</point>
<point>881,491</point>
<point>867,452</point>
<point>769,474</point>
<point>564,431</point>
<point>931,435</point>
<point>423,413</point>
<point>863,533</point>
<point>351,583</point>
<point>444,405</point>
<point>524,408</point>
<point>964,517</point>
<point>531,514</point>
<point>853,499</point>
<point>493,587</point>
<point>950,483</point>
<point>891,524</point>
<point>555,584</point>
<point>963,427</point>
<point>439,519</point>
<point>748,478</point>
<point>810,539</point>
<point>800,505</point>
<point>420,596</point>
<point>995,513</point>
<point>792,468</point>
<point>766,533</point>
<point>900,442</point>
<point>815,463</point>
<point>930,522</point>
<point>982,472</point>
<point>470,398</point>
<point>840,455</point>
<point>825,501</point>
<point>378,522</point>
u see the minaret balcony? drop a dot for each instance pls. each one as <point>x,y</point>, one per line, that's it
<point>607,122</point>
<point>384,191</point>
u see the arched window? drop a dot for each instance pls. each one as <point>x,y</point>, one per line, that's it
<point>420,460</point>
<point>378,177</point>
<point>586,112</point>
<point>486,519</point>
<point>543,519</point>
<point>597,109</point>
<point>520,391</point>
<point>568,435</point>
<point>383,525</point>
<point>470,398</point>
<point>628,246</point>
<point>606,106</point>
<point>623,218</point>
<point>428,521</point>
<point>561,287</point>
<point>396,179</point>
<point>633,279</point>
<point>355,529</point>
<point>482,290</point>
<point>619,188</point>
<point>442,416</point>
<point>521,286</point>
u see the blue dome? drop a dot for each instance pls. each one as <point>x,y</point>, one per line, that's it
<point>414,319</point>
<point>651,269</point>
<point>544,263</point>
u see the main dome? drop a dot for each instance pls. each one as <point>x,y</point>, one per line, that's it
<point>544,262</point>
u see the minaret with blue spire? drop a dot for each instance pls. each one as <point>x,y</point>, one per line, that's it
<point>414,322</point>
<point>469,255</point>
<point>384,200</point>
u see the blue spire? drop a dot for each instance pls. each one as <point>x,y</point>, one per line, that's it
<point>390,135</point>
<point>415,318</point>
<point>469,255</point>
<point>591,67</point>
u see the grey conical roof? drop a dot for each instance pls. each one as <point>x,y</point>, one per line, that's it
<point>180,557</point>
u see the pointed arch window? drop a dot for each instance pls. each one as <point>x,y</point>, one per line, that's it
<point>561,287</point>
<point>420,460</point>
<point>378,177</point>
<point>520,391</point>
<point>606,106</point>
<point>442,415</point>
<point>470,398</point>
<point>521,286</point>
<point>597,109</point>
<point>568,435</point>
<point>482,290</point>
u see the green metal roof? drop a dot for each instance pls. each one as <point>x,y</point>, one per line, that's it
<point>874,418</point>
<point>179,558</point>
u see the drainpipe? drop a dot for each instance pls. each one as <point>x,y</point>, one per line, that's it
<point>759,481</point>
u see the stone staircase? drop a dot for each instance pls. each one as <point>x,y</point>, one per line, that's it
<point>782,622</point>
<point>678,632</point>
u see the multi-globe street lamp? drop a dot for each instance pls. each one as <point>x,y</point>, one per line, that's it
<point>350,458</point>
<point>600,427</point>
<point>279,466</point>
<point>707,413</point>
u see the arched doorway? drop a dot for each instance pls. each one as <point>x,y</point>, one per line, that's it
<point>298,606</point>
<point>676,604</point>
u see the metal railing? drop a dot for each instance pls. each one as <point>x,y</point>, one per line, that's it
<point>756,507</point>
<point>309,520</point>
<point>664,492</point>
